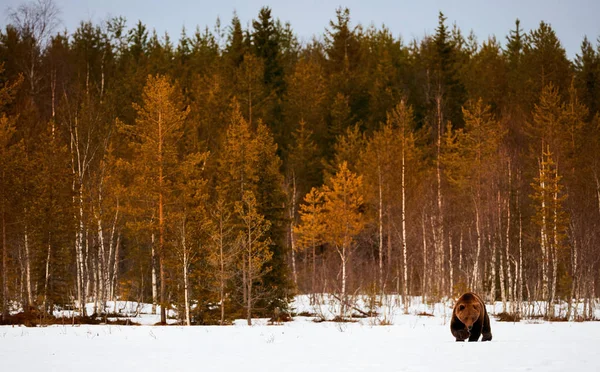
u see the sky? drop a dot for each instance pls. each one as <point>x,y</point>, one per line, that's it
<point>571,19</point>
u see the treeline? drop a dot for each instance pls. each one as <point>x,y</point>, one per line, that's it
<point>224,172</point>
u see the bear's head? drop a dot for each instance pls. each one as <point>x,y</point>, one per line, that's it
<point>468,312</point>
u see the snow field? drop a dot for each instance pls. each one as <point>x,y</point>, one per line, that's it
<point>414,344</point>
<point>411,343</point>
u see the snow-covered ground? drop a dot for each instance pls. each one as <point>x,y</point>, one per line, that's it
<point>410,343</point>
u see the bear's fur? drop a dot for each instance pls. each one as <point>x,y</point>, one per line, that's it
<point>470,319</point>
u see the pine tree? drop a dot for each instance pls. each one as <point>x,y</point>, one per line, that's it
<point>236,43</point>
<point>448,88</point>
<point>249,162</point>
<point>587,76</point>
<point>546,63</point>
<point>158,128</point>
<point>266,44</point>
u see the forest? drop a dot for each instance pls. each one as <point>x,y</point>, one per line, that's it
<point>224,172</point>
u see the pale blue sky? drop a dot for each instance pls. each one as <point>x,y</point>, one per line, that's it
<point>410,19</point>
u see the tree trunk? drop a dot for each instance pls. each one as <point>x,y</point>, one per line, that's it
<point>115,280</point>
<point>79,257</point>
<point>555,243</point>
<point>425,274</point>
<point>154,278</point>
<point>185,277</point>
<point>501,255</point>
<point>460,251</point>
<point>493,272</point>
<point>112,258</point>
<point>249,279</point>
<point>450,267</point>
<point>47,273</point>
<point>4,267</point>
<point>343,304</point>
<point>102,263</point>
<point>520,271</point>
<point>404,244</point>
<point>87,258</point>
<point>439,236</point>
<point>573,281</point>
<point>511,296</point>
<point>222,268</point>
<point>597,190</point>
<point>292,238</point>
<point>543,239</point>
<point>28,269</point>
<point>475,278</point>
<point>95,262</point>
<point>245,282</point>
<point>314,271</point>
<point>380,223</point>
<point>161,225</point>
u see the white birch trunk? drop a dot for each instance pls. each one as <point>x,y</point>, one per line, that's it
<point>404,245</point>
<point>79,162</point>
<point>543,238</point>
<point>154,279</point>
<point>101,264</point>
<point>47,273</point>
<point>115,273</point>
<point>501,256</point>
<point>28,269</point>
<point>86,262</point>
<point>112,257</point>
<point>343,305</point>
<point>507,246</point>
<point>185,277</point>
<point>439,238</point>
<point>554,244</point>
<point>475,278</point>
<point>520,269</point>
<point>493,271</point>
<point>292,236</point>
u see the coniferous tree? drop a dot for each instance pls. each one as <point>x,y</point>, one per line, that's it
<point>11,153</point>
<point>344,220</point>
<point>158,128</point>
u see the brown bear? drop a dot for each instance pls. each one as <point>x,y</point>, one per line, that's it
<point>470,319</point>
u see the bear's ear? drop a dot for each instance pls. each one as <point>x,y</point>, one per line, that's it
<point>461,307</point>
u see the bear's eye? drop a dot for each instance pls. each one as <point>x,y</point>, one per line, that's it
<point>461,307</point>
